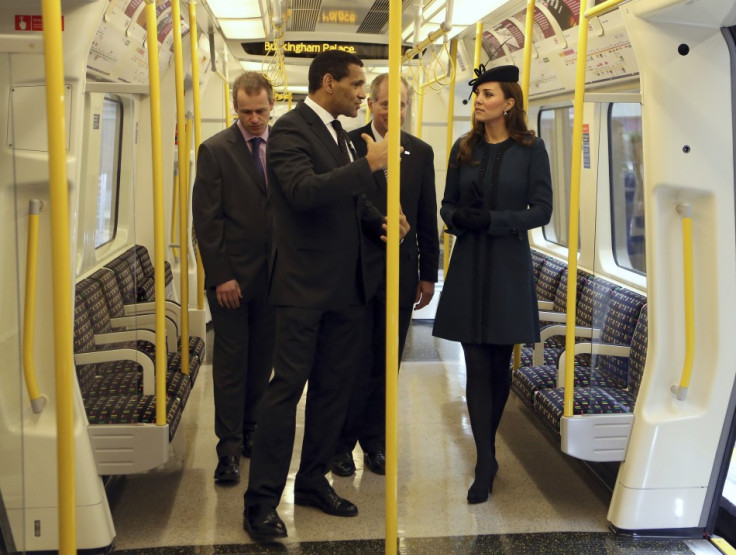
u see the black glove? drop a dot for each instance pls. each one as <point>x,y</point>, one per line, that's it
<point>470,197</point>
<point>471,218</point>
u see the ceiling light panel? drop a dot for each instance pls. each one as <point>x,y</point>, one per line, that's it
<point>243,28</point>
<point>233,9</point>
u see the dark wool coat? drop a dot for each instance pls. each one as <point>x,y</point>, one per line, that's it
<point>488,295</point>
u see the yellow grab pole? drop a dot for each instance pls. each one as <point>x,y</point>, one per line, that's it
<point>38,401</point>
<point>154,84</point>
<point>183,188</point>
<point>686,211</point>
<point>194,42</point>
<point>197,133</point>
<point>572,242</point>
<point>175,212</point>
<point>228,109</point>
<point>61,273</point>
<point>528,45</point>
<point>392,277</point>
<point>447,238</point>
<point>420,111</point>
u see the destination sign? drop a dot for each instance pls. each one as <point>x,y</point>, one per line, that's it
<point>309,49</point>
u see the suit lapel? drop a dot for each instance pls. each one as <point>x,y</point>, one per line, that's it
<point>320,131</point>
<point>244,156</point>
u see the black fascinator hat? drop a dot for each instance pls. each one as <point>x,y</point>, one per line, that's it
<point>498,74</point>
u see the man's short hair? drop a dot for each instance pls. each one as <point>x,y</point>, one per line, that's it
<point>252,83</point>
<point>378,81</point>
<point>334,62</point>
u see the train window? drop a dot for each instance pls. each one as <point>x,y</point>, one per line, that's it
<point>108,186</point>
<point>627,186</point>
<point>555,127</point>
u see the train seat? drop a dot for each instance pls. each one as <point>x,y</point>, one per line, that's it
<point>128,271</point>
<point>548,280</point>
<point>141,314</point>
<point>538,260</point>
<point>91,293</point>
<point>127,364</point>
<point>618,397</point>
<point>620,318</point>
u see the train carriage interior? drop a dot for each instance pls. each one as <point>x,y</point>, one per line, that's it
<point>619,433</point>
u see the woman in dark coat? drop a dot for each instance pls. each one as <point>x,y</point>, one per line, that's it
<point>498,187</point>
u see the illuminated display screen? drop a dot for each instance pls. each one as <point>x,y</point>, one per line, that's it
<point>338,16</point>
<point>309,49</point>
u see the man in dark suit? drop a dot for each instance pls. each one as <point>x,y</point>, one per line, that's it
<point>317,286</point>
<point>233,228</point>
<point>418,260</point>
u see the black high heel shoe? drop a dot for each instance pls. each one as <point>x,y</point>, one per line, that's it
<point>482,486</point>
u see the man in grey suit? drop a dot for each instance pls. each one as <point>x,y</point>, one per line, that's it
<point>317,286</point>
<point>418,260</point>
<point>233,229</point>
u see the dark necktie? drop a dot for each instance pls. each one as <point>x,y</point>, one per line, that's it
<point>255,144</point>
<point>342,140</point>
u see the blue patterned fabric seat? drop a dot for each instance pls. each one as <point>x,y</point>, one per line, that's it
<point>114,301</point>
<point>126,373</point>
<point>596,399</point>
<point>131,409</point>
<point>593,301</point>
<point>597,370</point>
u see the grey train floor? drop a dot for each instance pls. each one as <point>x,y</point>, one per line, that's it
<point>542,501</point>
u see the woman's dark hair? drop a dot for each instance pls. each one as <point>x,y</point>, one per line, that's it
<point>515,124</point>
<point>334,62</point>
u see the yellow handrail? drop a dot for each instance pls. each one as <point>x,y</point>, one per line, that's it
<point>392,276</point>
<point>38,401</point>
<point>528,39</point>
<point>183,189</point>
<point>420,115</point>
<point>194,43</point>
<point>446,237</point>
<point>53,49</point>
<point>686,211</point>
<point>158,211</point>
<point>574,224</point>
<point>433,36</point>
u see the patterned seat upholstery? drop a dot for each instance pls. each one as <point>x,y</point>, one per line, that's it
<point>538,260</point>
<point>598,370</point>
<point>131,409</point>
<point>113,296</point>
<point>548,281</point>
<point>125,376</point>
<point>596,399</point>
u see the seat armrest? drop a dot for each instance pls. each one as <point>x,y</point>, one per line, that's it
<point>149,370</point>
<point>592,349</point>
<point>545,305</point>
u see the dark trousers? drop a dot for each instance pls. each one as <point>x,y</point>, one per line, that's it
<point>487,390</point>
<point>366,418</point>
<point>314,345</point>
<point>241,367</point>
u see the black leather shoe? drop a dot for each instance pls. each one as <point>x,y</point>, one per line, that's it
<point>228,470</point>
<point>263,523</point>
<point>325,499</point>
<point>343,465</point>
<point>375,462</point>
<point>248,443</point>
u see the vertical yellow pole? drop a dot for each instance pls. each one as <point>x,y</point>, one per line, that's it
<point>392,277</point>
<point>158,210</point>
<point>575,169</point>
<point>528,45</point>
<point>476,56</point>
<point>420,110</point>
<point>447,238</point>
<point>61,273</point>
<point>183,188</point>
<point>194,43</point>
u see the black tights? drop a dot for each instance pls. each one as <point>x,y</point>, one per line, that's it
<point>487,390</point>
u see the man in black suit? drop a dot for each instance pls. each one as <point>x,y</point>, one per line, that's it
<point>418,260</point>
<point>317,286</point>
<point>233,229</point>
